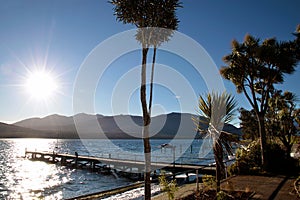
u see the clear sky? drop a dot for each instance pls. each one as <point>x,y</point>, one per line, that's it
<point>55,36</point>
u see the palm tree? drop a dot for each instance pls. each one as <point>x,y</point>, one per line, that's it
<point>255,67</point>
<point>215,110</point>
<point>162,27</point>
<point>147,15</point>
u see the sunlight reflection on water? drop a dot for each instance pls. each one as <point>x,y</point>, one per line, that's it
<point>24,179</point>
<point>21,178</point>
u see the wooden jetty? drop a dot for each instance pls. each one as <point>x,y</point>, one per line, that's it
<point>129,168</point>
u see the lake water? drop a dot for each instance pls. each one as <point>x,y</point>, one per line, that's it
<point>21,178</point>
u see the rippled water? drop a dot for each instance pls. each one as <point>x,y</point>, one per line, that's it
<point>21,178</point>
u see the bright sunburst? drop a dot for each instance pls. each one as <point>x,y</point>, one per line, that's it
<point>41,85</point>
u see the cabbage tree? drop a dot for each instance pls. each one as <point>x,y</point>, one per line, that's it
<point>214,111</point>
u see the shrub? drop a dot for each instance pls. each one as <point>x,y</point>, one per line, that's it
<point>248,160</point>
<point>169,187</point>
<point>209,182</point>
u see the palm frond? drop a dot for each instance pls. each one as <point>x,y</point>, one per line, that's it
<point>214,110</point>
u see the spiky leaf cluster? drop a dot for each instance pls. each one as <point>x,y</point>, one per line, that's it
<point>217,108</point>
<point>258,64</point>
<point>254,67</point>
<point>155,19</point>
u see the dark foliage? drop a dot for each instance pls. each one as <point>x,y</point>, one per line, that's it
<point>254,67</point>
<point>248,160</point>
<point>249,124</point>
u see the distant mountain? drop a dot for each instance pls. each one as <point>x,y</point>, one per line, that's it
<point>178,125</point>
<point>12,131</point>
<point>52,122</point>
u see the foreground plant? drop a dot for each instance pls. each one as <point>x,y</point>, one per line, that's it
<point>215,110</point>
<point>209,182</point>
<point>168,186</point>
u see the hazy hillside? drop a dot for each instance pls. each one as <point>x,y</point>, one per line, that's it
<point>179,125</point>
<point>51,122</point>
<point>12,131</point>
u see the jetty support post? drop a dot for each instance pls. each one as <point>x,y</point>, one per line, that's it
<point>93,166</point>
<point>174,157</point>
<point>63,161</point>
<point>76,159</point>
<point>197,180</point>
<point>53,156</point>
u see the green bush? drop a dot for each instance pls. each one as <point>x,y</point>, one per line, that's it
<point>168,186</point>
<point>209,182</point>
<point>248,160</point>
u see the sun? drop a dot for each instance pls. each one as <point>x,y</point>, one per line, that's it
<point>41,85</point>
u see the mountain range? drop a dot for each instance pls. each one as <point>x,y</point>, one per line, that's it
<point>167,126</point>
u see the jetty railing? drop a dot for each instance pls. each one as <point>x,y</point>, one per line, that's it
<point>154,158</point>
<point>131,167</point>
<point>108,159</point>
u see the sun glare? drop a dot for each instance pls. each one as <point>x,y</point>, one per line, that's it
<point>41,85</point>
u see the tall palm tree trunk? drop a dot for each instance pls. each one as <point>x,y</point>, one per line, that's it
<point>218,154</point>
<point>147,155</point>
<point>146,120</point>
<point>147,147</point>
<point>263,140</point>
<point>152,78</point>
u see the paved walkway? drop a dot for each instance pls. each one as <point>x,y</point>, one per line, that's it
<point>265,187</point>
<point>287,191</point>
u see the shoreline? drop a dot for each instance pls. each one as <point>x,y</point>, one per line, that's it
<point>136,190</point>
<point>107,193</point>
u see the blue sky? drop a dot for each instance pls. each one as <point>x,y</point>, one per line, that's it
<point>57,36</point>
